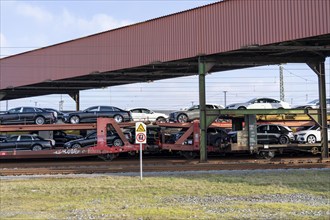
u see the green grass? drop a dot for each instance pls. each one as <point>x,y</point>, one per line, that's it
<point>273,195</point>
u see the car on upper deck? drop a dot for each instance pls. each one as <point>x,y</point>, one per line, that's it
<point>27,115</point>
<point>260,103</point>
<point>58,114</point>
<point>315,104</point>
<point>144,114</point>
<point>190,114</point>
<point>90,115</point>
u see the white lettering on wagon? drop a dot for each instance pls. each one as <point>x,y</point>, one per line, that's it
<point>69,151</point>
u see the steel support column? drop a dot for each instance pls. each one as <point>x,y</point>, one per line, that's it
<point>319,69</point>
<point>76,97</point>
<point>203,68</point>
<point>202,108</point>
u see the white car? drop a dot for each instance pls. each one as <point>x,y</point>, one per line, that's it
<point>260,103</point>
<point>144,114</point>
<point>311,135</point>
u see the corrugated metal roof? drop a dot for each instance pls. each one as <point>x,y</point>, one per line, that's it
<point>213,29</point>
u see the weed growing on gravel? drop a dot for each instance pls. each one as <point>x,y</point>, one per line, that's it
<point>294,194</point>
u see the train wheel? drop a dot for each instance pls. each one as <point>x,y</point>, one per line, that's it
<point>267,154</point>
<point>189,155</point>
<point>315,150</point>
<point>108,157</point>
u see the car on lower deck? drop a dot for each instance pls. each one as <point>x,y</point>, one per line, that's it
<point>91,114</point>
<point>90,140</point>
<point>61,138</point>
<point>216,137</point>
<point>26,142</point>
<point>27,115</point>
<point>310,136</point>
<point>274,134</point>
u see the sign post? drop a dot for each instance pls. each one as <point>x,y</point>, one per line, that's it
<point>140,138</point>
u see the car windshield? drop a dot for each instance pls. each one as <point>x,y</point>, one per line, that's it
<point>251,101</point>
<point>315,127</point>
<point>193,107</point>
<point>316,101</point>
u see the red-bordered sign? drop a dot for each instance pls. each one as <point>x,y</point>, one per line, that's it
<point>140,133</point>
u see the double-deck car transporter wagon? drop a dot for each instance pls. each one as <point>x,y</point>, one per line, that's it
<point>185,139</point>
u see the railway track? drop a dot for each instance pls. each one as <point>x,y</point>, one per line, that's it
<point>10,168</point>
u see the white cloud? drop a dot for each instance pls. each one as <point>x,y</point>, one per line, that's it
<point>37,13</point>
<point>97,23</point>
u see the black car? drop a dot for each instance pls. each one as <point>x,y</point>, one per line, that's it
<point>3,137</point>
<point>58,115</point>
<point>25,142</point>
<point>61,138</point>
<point>269,134</point>
<point>274,134</point>
<point>92,113</point>
<point>27,115</point>
<point>153,135</point>
<point>216,137</point>
<point>90,140</point>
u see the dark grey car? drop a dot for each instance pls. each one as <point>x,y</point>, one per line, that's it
<point>90,140</point>
<point>25,142</point>
<point>92,113</point>
<point>27,115</point>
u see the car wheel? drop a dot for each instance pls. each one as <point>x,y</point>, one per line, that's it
<point>118,118</point>
<point>311,139</point>
<point>40,120</point>
<point>74,119</point>
<point>283,139</point>
<point>241,107</point>
<point>161,120</point>
<point>182,118</point>
<point>118,142</point>
<point>36,148</point>
<point>76,146</point>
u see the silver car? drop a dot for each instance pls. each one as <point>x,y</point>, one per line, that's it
<point>315,104</point>
<point>190,114</point>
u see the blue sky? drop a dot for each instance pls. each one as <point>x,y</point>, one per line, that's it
<point>27,25</point>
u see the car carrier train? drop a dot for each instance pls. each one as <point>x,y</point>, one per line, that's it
<point>263,138</point>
